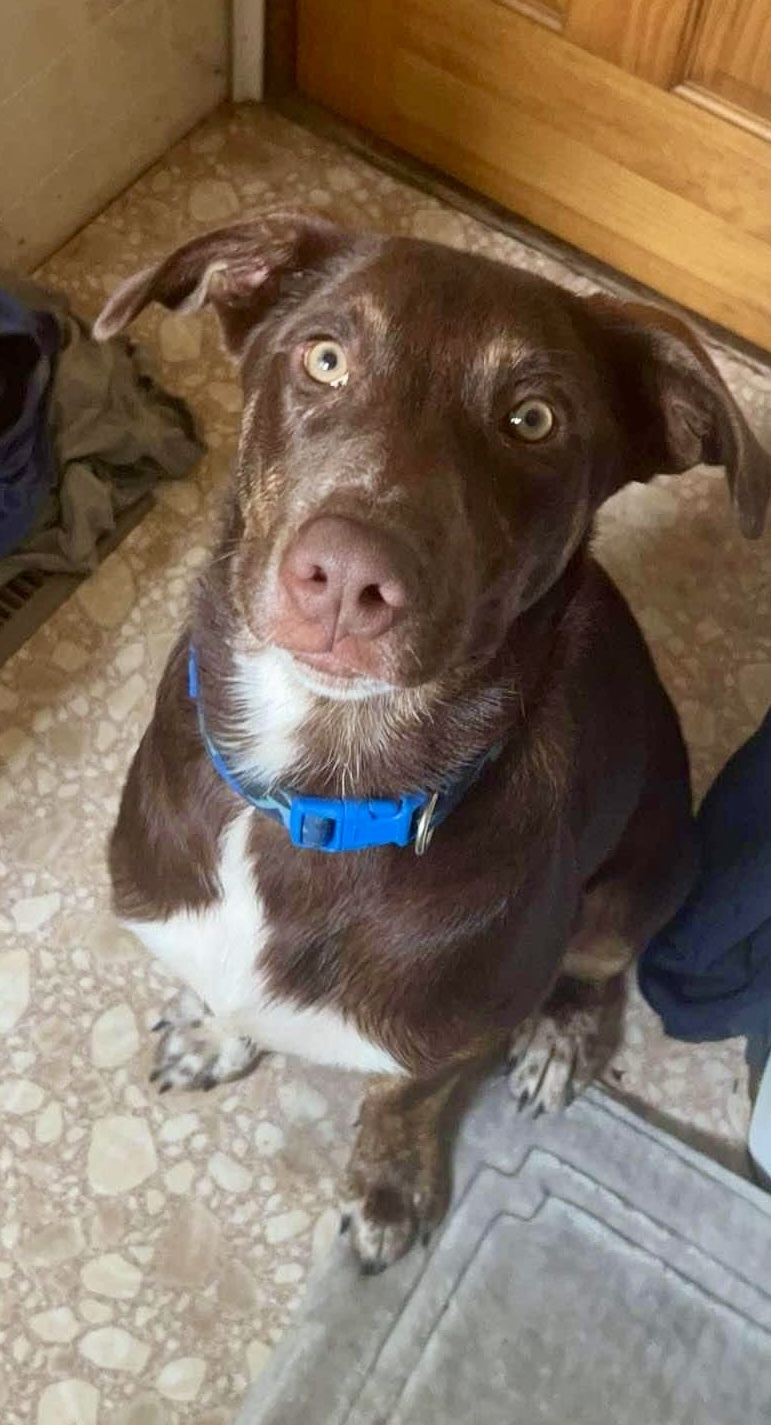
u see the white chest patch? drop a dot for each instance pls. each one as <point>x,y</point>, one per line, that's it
<point>271,705</point>
<point>217,953</point>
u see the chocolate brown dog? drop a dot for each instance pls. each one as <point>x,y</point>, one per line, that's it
<point>402,644</point>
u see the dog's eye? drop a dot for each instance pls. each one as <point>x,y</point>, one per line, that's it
<point>326,362</point>
<point>530,420</point>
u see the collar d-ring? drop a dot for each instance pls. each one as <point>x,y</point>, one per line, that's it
<point>424,830</point>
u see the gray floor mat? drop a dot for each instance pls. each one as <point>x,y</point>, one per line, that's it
<point>592,1270</point>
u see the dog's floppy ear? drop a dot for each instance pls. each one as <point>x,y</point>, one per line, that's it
<point>677,408</point>
<point>235,269</point>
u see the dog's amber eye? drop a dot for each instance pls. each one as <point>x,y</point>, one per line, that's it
<point>326,362</point>
<point>530,420</point>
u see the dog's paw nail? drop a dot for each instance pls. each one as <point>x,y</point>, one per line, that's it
<point>155,1075</point>
<point>159,1025</point>
<point>425,1237</point>
<point>523,1100</point>
<point>209,1082</point>
<point>345,1223</point>
<point>372,1269</point>
<point>537,1111</point>
<point>164,1087</point>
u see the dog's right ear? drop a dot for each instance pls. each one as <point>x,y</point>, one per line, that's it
<point>677,407</point>
<point>237,270</point>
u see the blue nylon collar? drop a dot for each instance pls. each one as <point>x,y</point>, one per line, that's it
<point>342,823</point>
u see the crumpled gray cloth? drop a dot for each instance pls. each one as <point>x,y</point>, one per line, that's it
<point>115,432</point>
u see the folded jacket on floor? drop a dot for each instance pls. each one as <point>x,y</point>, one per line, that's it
<point>114,432</point>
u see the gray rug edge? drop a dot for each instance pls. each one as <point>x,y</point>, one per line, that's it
<point>350,1318</point>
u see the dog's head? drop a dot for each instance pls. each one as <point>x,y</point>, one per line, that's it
<point>427,435</point>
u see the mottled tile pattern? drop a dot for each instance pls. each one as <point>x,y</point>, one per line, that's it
<point>152,1247</point>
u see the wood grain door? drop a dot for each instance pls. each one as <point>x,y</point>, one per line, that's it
<point>640,130</point>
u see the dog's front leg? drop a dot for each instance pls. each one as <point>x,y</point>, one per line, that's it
<point>399,1177</point>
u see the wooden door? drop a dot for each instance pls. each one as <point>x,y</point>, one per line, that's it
<point>640,130</point>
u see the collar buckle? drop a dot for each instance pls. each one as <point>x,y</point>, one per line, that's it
<point>337,824</point>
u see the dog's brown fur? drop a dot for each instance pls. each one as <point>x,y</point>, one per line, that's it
<point>576,846</point>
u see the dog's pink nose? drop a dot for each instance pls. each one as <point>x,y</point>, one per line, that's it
<point>342,580</point>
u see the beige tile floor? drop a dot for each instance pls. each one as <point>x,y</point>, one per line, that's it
<point>151,1249</point>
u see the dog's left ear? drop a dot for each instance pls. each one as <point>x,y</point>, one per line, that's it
<point>677,408</point>
<point>240,271</point>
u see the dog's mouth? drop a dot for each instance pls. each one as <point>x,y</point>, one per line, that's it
<point>328,675</point>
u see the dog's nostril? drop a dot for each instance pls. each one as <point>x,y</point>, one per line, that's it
<point>317,575</point>
<point>371,595</point>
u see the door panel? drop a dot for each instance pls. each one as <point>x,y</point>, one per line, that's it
<point>612,212</point>
<point>525,67</point>
<point>643,37</point>
<point>732,61</point>
<point>574,140</point>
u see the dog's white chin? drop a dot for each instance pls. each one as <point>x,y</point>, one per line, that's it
<point>325,685</point>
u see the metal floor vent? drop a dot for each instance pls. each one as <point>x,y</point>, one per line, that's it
<point>26,601</point>
<point>30,598</point>
<point>18,592</point>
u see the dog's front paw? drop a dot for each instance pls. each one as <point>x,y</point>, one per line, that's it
<point>388,1217</point>
<point>394,1199</point>
<point>547,1064</point>
<point>185,1007</point>
<point>553,1056</point>
<point>194,1051</point>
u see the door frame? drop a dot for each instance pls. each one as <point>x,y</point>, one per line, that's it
<point>247,50</point>
<point>262,49</point>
